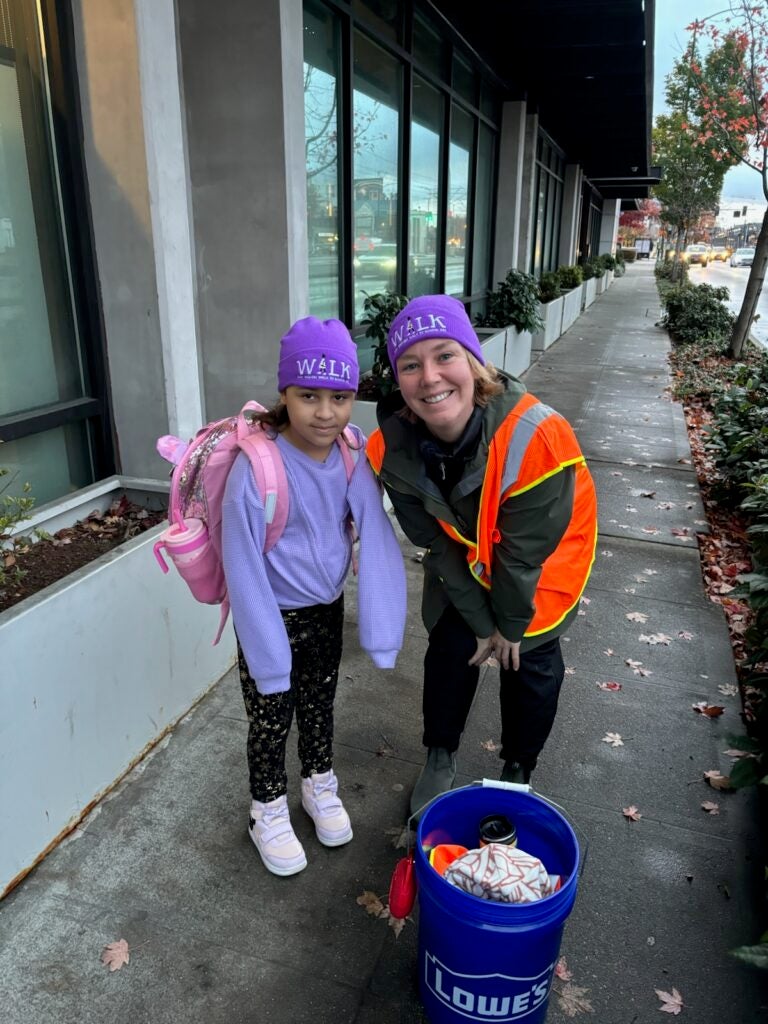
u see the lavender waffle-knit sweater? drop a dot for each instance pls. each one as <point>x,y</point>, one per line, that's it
<point>310,561</point>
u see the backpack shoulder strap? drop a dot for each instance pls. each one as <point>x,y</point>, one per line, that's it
<point>271,481</point>
<point>350,453</point>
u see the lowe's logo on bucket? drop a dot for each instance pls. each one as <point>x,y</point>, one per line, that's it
<point>499,997</point>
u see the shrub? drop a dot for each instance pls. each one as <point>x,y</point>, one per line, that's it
<point>515,301</point>
<point>570,276</point>
<point>13,510</point>
<point>593,267</point>
<point>549,287</point>
<point>608,260</point>
<point>697,313</point>
<point>379,311</point>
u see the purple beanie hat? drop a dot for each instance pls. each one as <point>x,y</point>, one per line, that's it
<point>431,316</point>
<point>318,354</point>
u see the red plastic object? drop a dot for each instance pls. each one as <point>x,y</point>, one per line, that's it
<point>402,888</point>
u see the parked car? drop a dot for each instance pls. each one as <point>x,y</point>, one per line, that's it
<point>719,252</point>
<point>696,253</point>
<point>743,258</point>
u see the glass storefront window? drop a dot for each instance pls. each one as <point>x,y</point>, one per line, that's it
<point>460,159</point>
<point>385,16</point>
<point>430,49</point>
<point>425,188</point>
<point>321,149</point>
<point>464,80</point>
<point>481,244</point>
<point>43,364</point>
<point>376,118</point>
<point>550,171</point>
<point>53,462</point>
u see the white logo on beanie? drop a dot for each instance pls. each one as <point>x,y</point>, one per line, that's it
<point>323,367</point>
<point>416,325</point>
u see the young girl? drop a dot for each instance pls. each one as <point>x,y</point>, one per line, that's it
<point>287,605</point>
<point>492,483</point>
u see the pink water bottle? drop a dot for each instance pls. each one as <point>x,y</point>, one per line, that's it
<point>184,542</point>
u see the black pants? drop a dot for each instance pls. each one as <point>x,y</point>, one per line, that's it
<point>528,697</point>
<point>315,636</point>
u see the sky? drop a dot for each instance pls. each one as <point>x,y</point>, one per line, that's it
<point>672,16</point>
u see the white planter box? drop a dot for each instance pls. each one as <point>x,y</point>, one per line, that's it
<point>493,342</point>
<point>601,283</point>
<point>608,278</point>
<point>96,668</point>
<point>364,416</point>
<point>589,290</point>
<point>518,351</point>
<point>552,315</point>
<point>571,306</point>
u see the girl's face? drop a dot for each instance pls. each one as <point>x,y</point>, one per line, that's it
<point>438,385</point>
<point>316,418</point>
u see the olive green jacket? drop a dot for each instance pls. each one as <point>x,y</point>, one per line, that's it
<point>531,526</point>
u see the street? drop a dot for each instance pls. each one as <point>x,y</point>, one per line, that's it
<point>735,280</point>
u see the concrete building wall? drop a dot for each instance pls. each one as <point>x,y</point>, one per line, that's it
<point>509,192</point>
<point>527,197</point>
<point>115,159</point>
<point>569,224</point>
<point>609,226</point>
<point>243,88</point>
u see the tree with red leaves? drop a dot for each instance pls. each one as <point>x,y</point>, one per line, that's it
<point>730,83</point>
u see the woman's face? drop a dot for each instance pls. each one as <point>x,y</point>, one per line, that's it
<point>438,385</point>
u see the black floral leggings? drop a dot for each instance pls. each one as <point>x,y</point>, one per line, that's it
<point>315,636</point>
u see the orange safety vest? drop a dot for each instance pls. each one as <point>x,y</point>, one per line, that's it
<point>533,443</point>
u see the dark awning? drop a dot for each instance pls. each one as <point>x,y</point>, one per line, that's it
<point>586,66</point>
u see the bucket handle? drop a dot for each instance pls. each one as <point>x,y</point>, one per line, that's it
<point>514,787</point>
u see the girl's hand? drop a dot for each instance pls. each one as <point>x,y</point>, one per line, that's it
<point>496,646</point>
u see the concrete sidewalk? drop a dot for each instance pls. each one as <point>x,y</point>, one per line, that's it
<point>166,863</point>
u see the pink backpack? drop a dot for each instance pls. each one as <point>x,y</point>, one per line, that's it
<point>201,467</point>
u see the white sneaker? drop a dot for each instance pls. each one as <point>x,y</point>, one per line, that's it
<point>319,798</point>
<point>273,836</point>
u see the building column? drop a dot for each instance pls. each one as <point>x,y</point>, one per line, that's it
<point>244,100</point>
<point>569,221</point>
<point>170,209</point>
<point>527,196</point>
<point>509,192</point>
<point>609,225</point>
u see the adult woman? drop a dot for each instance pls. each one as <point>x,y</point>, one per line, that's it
<point>493,485</point>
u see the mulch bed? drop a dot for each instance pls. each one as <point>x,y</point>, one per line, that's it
<point>46,561</point>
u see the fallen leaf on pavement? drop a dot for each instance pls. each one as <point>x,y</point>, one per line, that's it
<point>683,634</point>
<point>709,710</point>
<point>710,807</point>
<point>610,685</point>
<point>397,924</point>
<point>608,652</point>
<point>655,638</point>
<point>570,670</point>
<point>728,690</point>
<point>670,1003</point>
<point>561,970</point>
<point>631,813</point>
<point>572,1000</point>
<point>489,745</point>
<point>614,739</point>
<point>372,904</point>
<point>636,616</point>
<point>717,780</point>
<point>115,954</point>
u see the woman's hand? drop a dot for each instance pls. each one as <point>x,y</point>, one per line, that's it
<point>496,646</point>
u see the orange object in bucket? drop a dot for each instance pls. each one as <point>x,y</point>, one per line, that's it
<point>444,854</point>
<point>402,888</point>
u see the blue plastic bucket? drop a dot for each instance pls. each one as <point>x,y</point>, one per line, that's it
<point>480,960</point>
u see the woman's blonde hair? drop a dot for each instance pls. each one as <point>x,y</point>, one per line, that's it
<point>487,385</point>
